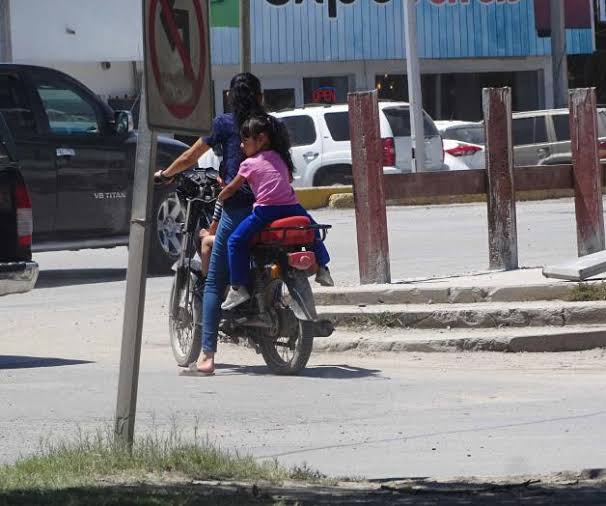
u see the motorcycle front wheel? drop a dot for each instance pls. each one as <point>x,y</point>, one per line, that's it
<point>286,356</point>
<point>185,318</point>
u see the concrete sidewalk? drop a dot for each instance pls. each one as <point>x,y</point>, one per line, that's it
<point>491,311</point>
<point>489,286</point>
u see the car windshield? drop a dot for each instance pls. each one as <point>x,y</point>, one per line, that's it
<point>474,134</point>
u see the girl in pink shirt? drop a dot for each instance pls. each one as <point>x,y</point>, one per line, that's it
<point>268,170</point>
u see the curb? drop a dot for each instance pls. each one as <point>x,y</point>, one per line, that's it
<point>472,316</point>
<point>416,294</point>
<point>346,201</point>
<point>541,342</point>
<point>318,196</point>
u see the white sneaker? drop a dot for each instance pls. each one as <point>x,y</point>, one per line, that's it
<point>324,278</point>
<point>235,298</point>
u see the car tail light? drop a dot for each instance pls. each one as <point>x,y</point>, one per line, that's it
<point>464,150</point>
<point>23,205</point>
<point>389,152</point>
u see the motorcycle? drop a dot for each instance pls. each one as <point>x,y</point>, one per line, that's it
<point>280,319</point>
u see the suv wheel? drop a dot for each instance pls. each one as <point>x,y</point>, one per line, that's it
<point>167,232</point>
<point>333,176</point>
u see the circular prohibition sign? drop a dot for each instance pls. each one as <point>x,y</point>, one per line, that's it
<point>184,109</point>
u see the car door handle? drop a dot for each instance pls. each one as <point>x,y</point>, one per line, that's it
<point>66,152</point>
<point>310,156</point>
<point>543,152</point>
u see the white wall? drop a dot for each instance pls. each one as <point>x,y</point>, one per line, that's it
<point>118,80</point>
<point>106,30</point>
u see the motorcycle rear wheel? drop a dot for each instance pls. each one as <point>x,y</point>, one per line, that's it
<point>184,320</point>
<point>283,356</point>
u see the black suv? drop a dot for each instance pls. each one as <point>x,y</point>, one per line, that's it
<point>17,271</point>
<point>77,157</point>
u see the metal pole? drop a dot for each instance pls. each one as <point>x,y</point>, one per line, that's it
<point>245,36</point>
<point>6,51</point>
<point>415,96</point>
<point>559,62</point>
<point>138,249</point>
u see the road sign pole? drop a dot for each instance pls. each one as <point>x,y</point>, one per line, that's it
<point>138,253</point>
<point>415,95</point>
<point>245,60</point>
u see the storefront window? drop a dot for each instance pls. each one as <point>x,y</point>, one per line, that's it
<point>325,90</point>
<point>274,100</point>
<point>279,99</point>
<point>459,96</point>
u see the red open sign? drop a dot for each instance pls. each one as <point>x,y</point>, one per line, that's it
<point>325,95</point>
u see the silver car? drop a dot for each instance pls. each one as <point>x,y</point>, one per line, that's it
<point>543,137</point>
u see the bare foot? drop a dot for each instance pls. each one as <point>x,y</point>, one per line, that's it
<point>206,363</point>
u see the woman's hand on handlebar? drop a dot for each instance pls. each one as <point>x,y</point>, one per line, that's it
<point>161,179</point>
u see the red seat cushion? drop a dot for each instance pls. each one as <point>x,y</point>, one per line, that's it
<point>292,237</point>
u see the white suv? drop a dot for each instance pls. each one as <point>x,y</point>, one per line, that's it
<point>321,147</point>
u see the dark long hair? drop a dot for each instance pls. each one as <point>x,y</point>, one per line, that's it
<point>279,139</point>
<point>244,96</point>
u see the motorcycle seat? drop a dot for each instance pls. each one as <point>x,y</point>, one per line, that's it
<point>291,231</point>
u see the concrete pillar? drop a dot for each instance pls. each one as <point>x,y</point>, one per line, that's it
<point>502,225</point>
<point>587,171</point>
<point>369,194</point>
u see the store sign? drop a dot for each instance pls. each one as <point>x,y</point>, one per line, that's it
<point>325,95</point>
<point>332,4</point>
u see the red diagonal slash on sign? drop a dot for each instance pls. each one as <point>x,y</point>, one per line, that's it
<point>167,14</point>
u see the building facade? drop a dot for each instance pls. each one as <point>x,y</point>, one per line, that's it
<point>318,50</point>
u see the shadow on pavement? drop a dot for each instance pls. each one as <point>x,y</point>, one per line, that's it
<point>320,371</point>
<point>69,277</point>
<point>245,494</point>
<point>25,362</point>
<point>53,278</point>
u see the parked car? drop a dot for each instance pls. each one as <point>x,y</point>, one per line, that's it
<point>18,273</point>
<point>463,144</point>
<point>322,148</point>
<point>77,157</point>
<point>543,137</point>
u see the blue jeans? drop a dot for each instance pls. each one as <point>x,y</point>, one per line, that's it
<point>239,241</point>
<point>217,278</point>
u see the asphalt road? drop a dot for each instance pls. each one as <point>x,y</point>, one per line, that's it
<point>424,241</point>
<point>438,415</point>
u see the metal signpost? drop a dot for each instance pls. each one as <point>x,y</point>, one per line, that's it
<point>176,97</point>
<point>245,62</point>
<point>415,95</point>
<point>559,60</point>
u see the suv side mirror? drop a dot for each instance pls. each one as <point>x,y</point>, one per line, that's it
<point>124,122</point>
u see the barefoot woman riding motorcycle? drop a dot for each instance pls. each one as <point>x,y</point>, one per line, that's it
<point>246,98</point>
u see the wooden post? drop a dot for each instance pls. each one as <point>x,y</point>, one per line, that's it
<point>587,171</point>
<point>369,196</point>
<point>502,228</point>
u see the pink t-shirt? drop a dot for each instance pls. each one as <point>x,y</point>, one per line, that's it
<point>267,175</point>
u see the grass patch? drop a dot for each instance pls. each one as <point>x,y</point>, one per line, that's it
<point>588,291</point>
<point>98,461</point>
